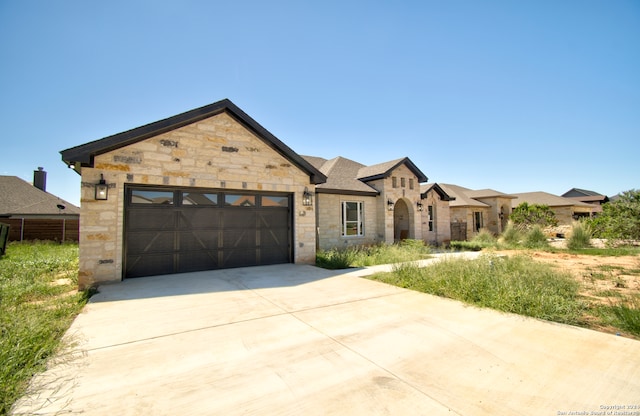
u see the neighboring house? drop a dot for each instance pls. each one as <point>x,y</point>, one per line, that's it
<point>206,189</point>
<point>474,210</point>
<point>566,210</point>
<point>35,214</point>
<point>588,197</point>
<point>360,205</point>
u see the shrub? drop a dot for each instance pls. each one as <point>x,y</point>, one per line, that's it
<point>535,238</point>
<point>335,258</point>
<point>534,214</point>
<point>511,235</point>
<point>580,236</point>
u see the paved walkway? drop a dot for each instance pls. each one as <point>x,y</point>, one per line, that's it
<point>299,340</point>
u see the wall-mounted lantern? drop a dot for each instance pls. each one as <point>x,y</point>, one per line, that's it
<point>307,198</point>
<point>390,204</point>
<point>102,190</point>
<point>420,206</point>
<point>501,215</point>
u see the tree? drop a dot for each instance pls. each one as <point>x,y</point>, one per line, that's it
<point>620,219</point>
<point>535,214</point>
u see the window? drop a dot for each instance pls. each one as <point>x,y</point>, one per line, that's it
<point>478,223</point>
<point>199,198</point>
<point>410,183</point>
<point>402,182</point>
<point>240,200</point>
<point>430,214</point>
<point>142,196</point>
<point>394,182</point>
<point>352,219</point>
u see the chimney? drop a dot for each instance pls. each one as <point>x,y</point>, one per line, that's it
<point>40,179</point>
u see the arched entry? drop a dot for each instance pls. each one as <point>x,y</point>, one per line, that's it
<point>400,221</point>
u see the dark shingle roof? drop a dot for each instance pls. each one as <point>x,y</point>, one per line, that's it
<point>383,170</point>
<point>545,198</point>
<point>341,176</point>
<point>18,197</point>
<point>83,155</point>
<point>462,199</point>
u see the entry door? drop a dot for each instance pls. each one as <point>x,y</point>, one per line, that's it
<point>183,230</point>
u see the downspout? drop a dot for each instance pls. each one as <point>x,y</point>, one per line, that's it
<point>22,229</point>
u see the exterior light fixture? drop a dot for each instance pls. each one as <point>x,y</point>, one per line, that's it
<point>419,206</point>
<point>390,204</point>
<point>501,215</point>
<point>307,198</point>
<point>102,190</point>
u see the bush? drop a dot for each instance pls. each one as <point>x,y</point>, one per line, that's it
<point>580,236</point>
<point>335,258</point>
<point>535,238</point>
<point>361,256</point>
<point>511,235</point>
<point>619,220</point>
<point>534,214</point>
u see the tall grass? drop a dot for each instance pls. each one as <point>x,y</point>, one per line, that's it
<point>580,236</point>
<point>516,284</point>
<point>38,302</point>
<point>362,256</point>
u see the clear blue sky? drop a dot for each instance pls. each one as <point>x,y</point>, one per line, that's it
<point>518,96</point>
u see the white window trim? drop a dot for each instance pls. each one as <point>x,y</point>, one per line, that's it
<point>360,220</point>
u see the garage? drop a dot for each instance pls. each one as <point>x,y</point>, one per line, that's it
<point>173,230</point>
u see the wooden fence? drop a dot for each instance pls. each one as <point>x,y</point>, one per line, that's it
<point>63,229</point>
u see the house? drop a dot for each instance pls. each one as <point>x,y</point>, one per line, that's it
<point>209,188</point>
<point>35,214</point>
<point>474,210</point>
<point>363,205</point>
<point>566,210</point>
<point>590,197</point>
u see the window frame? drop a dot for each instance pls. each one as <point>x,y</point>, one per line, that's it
<point>478,221</point>
<point>430,212</point>
<point>359,222</point>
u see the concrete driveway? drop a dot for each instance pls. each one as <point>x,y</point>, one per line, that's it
<point>299,340</point>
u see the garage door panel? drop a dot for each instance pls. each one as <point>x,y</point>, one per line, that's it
<point>198,240</point>
<point>202,234</point>
<point>149,265</point>
<point>198,260</point>
<point>151,219</point>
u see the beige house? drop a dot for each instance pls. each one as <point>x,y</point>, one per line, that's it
<point>362,205</point>
<point>205,189</point>
<point>474,210</point>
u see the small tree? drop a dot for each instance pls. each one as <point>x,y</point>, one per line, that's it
<point>619,219</point>
<point>535,214</point>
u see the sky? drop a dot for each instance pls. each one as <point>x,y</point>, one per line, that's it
<point>514,95</point>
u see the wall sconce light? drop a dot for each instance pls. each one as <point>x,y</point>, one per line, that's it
<point>501,215</point>
<point>102,189</point>
<point>419,205</point>
<point>390,204</point>
<point>307,198</point>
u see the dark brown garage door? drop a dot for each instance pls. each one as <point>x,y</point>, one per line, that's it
<point>183,230</point>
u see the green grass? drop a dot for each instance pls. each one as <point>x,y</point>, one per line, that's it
<point>624,314</point>
<point>515,284</point>
<point>362,256</point>
<point>37,305</point>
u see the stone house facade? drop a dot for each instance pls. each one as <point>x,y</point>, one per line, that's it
<point>205,189</point>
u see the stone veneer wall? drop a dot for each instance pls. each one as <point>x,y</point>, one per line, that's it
<point>441,233</point>
<point>217,152</point>
<point>329,208</point>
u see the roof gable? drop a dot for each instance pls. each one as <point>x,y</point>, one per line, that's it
<point>84,155</point>
<point>341,176</point>
<point>384,170</point>
<point>460,197</point>
<point>424,189</point>
<point>18,197</point>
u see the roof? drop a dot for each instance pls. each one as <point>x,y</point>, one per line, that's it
<point>341,176</point>
<point>19,197</point>
<point>545,198</point>
<point>84,155</point>
<point>461,198</point>
<point>383,170</point>
<point>487,193</point>
<point>424,189</point>
<point>577,192</point>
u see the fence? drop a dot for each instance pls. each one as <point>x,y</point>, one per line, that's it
<point>58,229</point>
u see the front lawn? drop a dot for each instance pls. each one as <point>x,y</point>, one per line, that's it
<point>38,302</point>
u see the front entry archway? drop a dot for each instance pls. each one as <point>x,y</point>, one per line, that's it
<point>401,221</point>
